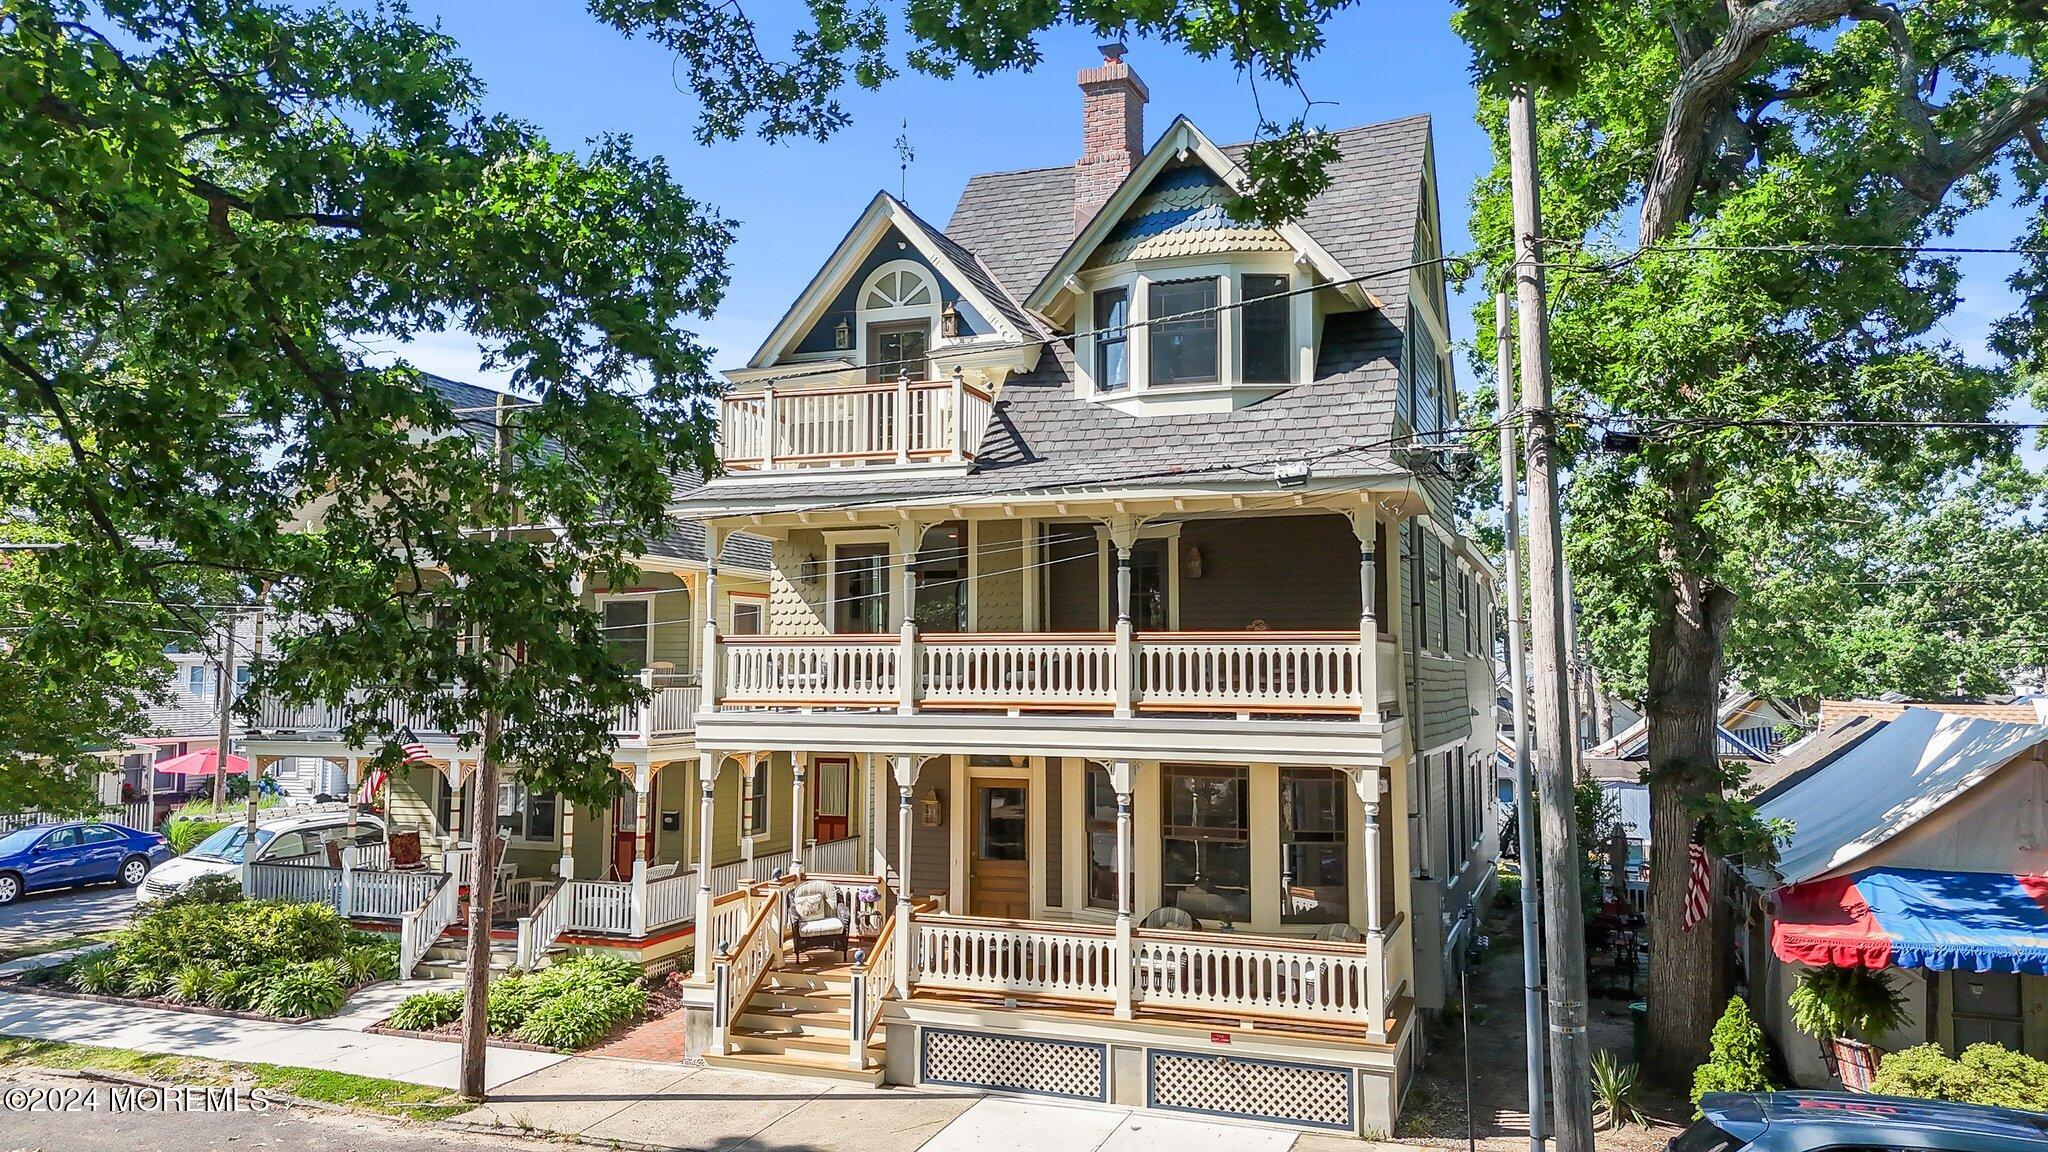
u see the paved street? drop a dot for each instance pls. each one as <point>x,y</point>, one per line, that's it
<point>41,916</point>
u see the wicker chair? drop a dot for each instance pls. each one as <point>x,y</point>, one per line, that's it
<point>816,918</point>
<point>1174,919</point>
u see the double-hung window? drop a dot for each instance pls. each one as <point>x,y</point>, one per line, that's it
<point>1112,368</point>
<point>525,814</point>
<point>1315,862</point>
<point>1183,350</point>
<point>1205,862</point>
<point>754,801</point>
<point>1268,343</point>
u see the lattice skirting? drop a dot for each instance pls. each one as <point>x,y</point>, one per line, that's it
<point>1009,1064</point>
<point>1314,1095</point>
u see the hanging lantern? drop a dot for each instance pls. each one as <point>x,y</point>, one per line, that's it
<point>842,334</point>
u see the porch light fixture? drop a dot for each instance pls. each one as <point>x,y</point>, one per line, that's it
<point>842,335</point>
<point>949,321</point>
<point>931,808</point>
<point>1194,565</point>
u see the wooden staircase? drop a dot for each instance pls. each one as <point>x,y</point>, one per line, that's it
<point>798,1023</point>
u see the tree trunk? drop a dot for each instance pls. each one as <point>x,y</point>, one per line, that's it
<point>476,986</point>
<point>1603,709</point>
<point>1688,973</point>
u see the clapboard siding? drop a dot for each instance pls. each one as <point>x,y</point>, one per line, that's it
<point>999,576</point>
<point>1291,572</point>
<point>931,847</point>
<point>1446,711</point>
<point>1072,570</point>
<point>1055,873</point>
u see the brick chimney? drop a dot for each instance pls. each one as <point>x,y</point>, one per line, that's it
<point>1112,131</point>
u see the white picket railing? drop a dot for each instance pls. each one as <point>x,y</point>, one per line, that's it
<point>1008,957</point>
<point>837,856</point>
<point>374,855</point>
<point>741,969</point>
<point>875,423</point>
<point>671,900</point>
<point>600,906</point>
<point>1018,670</point>
<point>300,883</point>
<point>539,929</point>
<point>390,895</point>
<point>136,814</point>
<point>419,928</point>
<point>738,874</point>
<point>1285,671</point>
<point>1209,972</point>
<point>824,670</point>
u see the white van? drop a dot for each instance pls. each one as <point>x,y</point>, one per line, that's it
<point>299,832</point>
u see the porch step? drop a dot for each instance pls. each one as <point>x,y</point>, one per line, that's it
<point>448,958</point>
<point>831,1049</point>
<point>806,1019</point>
<point>808,1065</point>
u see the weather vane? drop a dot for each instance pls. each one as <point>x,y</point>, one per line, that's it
<point>904,155</point>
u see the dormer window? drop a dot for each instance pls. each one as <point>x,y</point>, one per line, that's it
<point>1268,337</point>
<point>1183,350</point>
<point>902,288</point>
<point>1112,340</point>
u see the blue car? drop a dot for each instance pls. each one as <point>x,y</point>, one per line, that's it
<point>1837,1122</point>
<point>43,856</point>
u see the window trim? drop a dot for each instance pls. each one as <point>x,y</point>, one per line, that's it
<point>751,794</point>
<point>1154,330</point>
<point>891,570</point>
<point>1098,344</point>
<point>525,815</point>
<point>647,647</point>
<point>1289,347</point>
<point>734,600</point>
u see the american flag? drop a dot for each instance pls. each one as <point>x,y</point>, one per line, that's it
<point>369,789</point>
<point>415,752</point>
<point>1699,884</point>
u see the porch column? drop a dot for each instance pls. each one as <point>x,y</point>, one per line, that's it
<point>708,765</point>
<point>902,424</point>
<point>1368,785</point>
<point>1120,779</point>
<point>799,762</point>
<point>959,449</point>
<point>709,661</point>
<point>906,782</point>
<point>909,535</point>
<point>1122,534</point>
<point>566,868</point>
<point>1365,525</point>
<point>348,871</point>
<point>638,910</point>
<point>455,783</point>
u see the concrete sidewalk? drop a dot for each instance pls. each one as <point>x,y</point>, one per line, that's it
<point>342,1047</point>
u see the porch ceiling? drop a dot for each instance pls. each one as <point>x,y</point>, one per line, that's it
<point>1180,738</point>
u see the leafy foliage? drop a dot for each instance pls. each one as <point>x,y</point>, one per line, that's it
<point>212,888</point>
<point>281,959</point>
<point>307,990</point>
<point>1856,1003</point>
<point>425,1011</point>
<point>1740,1057</point>
<point>582,1016</point>
<point>1614,1087</point>
<point>1985,1074</point>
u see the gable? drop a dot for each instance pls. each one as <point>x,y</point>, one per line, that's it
<point>1182,212</point>
<point>890,247</point>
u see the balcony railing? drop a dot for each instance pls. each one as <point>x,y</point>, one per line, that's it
<point>905,422</point>
<point>670,713</point>
<point>1253,672</point>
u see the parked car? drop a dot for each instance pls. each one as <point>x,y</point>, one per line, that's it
<point>43,856</point>
<point>1810,1121</point>
<point>302,834</point>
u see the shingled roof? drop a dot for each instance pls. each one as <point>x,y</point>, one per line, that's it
<point>1016,225</point>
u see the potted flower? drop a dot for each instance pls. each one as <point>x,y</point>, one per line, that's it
<point>1844,1009</point>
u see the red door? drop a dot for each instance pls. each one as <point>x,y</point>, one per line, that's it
<point>622,838</point>
<point>830,793</point>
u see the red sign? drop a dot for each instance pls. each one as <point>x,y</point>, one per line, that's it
<point>1219,1037</point>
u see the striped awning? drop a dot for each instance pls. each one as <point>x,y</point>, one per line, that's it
<point>1910,918</point>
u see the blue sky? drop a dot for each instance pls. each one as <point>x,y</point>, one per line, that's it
<point>551,63</point>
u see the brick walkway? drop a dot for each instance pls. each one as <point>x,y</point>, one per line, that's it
<point>659,1039</point>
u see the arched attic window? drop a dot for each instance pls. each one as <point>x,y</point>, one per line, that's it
<point>899,308</point>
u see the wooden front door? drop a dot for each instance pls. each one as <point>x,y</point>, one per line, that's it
<point>998,860</point>
<point>622,838</point>
<point>830,793</point>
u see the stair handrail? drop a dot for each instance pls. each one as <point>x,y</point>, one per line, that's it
<point>420,927</point>
<point>742,967</point>
<point>540,928</point>
<point>872,979</point>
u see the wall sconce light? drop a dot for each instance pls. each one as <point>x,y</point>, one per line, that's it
<point>949,320</point>
<point>842,335</point>
<point>931,808</point>
<point>1194,563</point>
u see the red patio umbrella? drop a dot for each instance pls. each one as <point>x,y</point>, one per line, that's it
<point>203,763</point>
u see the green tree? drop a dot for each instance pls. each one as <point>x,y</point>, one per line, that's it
<point>1740,1057</point>
<point>214,207</point>
<point>1692,154</point>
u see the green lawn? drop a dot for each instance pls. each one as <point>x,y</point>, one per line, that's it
<point>42,946</point>
<point>369,1093</point>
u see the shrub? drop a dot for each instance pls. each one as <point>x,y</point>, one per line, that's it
<point>143,980</point>
<point>363,963</point>
<point>309,990</point>
<point>1614,1090</point>
<point>212,888</point>
<point>1507,890</point>
<point>425,1011</point>
<point>191,983</point>
<point>1986,1074</point>
<point>99,975</point>
<point>1848,1002</point>
<point>1740,1058</point>
<point>579,1018</point>
<point>233,935</point>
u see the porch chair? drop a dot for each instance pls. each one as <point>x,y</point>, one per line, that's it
<point>661,872</point>
<point>1174,919</point>
<point>1338,933</point>
<point>405,852</point>
<point>1159,973</point>
<point>816,918</point>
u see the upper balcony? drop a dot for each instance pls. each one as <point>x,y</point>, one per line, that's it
<point>669,714</point>
<point>905,422</point>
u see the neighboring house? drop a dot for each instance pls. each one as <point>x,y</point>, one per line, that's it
<point>1919,845</point>
<point>624,856</point>
<point>1118,611</point>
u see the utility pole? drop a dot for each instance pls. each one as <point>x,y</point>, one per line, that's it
<point>1525,808</point>
<point>255,777</point>
<point>1565,934</point>
<point>227,699</point>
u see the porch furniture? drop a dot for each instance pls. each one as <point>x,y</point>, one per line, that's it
<point>816,918</point>
<point>1176,919</point>
<point>333,854</point>
<point>1338,933</point>
<point>1152,973</point>
<point>405,852</point>
<point>661,872</point>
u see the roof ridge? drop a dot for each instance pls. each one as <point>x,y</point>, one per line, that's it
<point>1069,166</point>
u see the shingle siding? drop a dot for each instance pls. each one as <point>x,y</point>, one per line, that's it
<point>1291,572</point>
